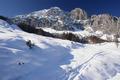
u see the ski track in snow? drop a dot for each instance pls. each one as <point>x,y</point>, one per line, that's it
<point>81,67</point>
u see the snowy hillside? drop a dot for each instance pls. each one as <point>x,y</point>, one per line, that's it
<point>54,59</point>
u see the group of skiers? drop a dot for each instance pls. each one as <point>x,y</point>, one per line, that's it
<point>30,45</point>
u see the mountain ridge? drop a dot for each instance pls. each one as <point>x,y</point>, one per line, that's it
<point>58,19</point>
<point>75,20</point>
<point>103,26</point>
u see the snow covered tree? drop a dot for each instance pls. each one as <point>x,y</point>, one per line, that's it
<point>116,40</point>
<point>70,36</point>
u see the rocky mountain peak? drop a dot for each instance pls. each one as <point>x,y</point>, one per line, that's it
<point>77,19</point>
<point>102,17</point>
<point>55,11</point>
<point>78,14</point>
<point>105,23</point>
<point>55,8</point>
<point>54,18</point>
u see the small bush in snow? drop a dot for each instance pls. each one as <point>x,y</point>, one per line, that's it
<point>116,40</point>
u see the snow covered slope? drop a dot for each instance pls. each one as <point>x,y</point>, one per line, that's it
<point>54,59</point>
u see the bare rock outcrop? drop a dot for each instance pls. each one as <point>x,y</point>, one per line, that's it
<point>78,14</point>
<point>105,23</point>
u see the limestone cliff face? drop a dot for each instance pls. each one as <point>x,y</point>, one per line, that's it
<point>105,23</point>
<point>78,14</point>
<point>54,18</point>
<point>77,19</point>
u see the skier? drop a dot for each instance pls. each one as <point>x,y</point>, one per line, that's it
<point>29,44</point>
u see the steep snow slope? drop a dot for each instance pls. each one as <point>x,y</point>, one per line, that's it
<point>54,59</point>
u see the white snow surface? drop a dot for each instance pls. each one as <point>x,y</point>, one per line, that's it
<point>54,59</point>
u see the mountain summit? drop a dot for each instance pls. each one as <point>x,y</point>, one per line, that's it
<point>54,18</point>
<point>74,20</point>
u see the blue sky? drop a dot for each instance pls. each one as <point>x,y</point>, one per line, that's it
<point>16,7</point>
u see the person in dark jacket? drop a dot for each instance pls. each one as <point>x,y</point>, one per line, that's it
<point>29,44</point>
